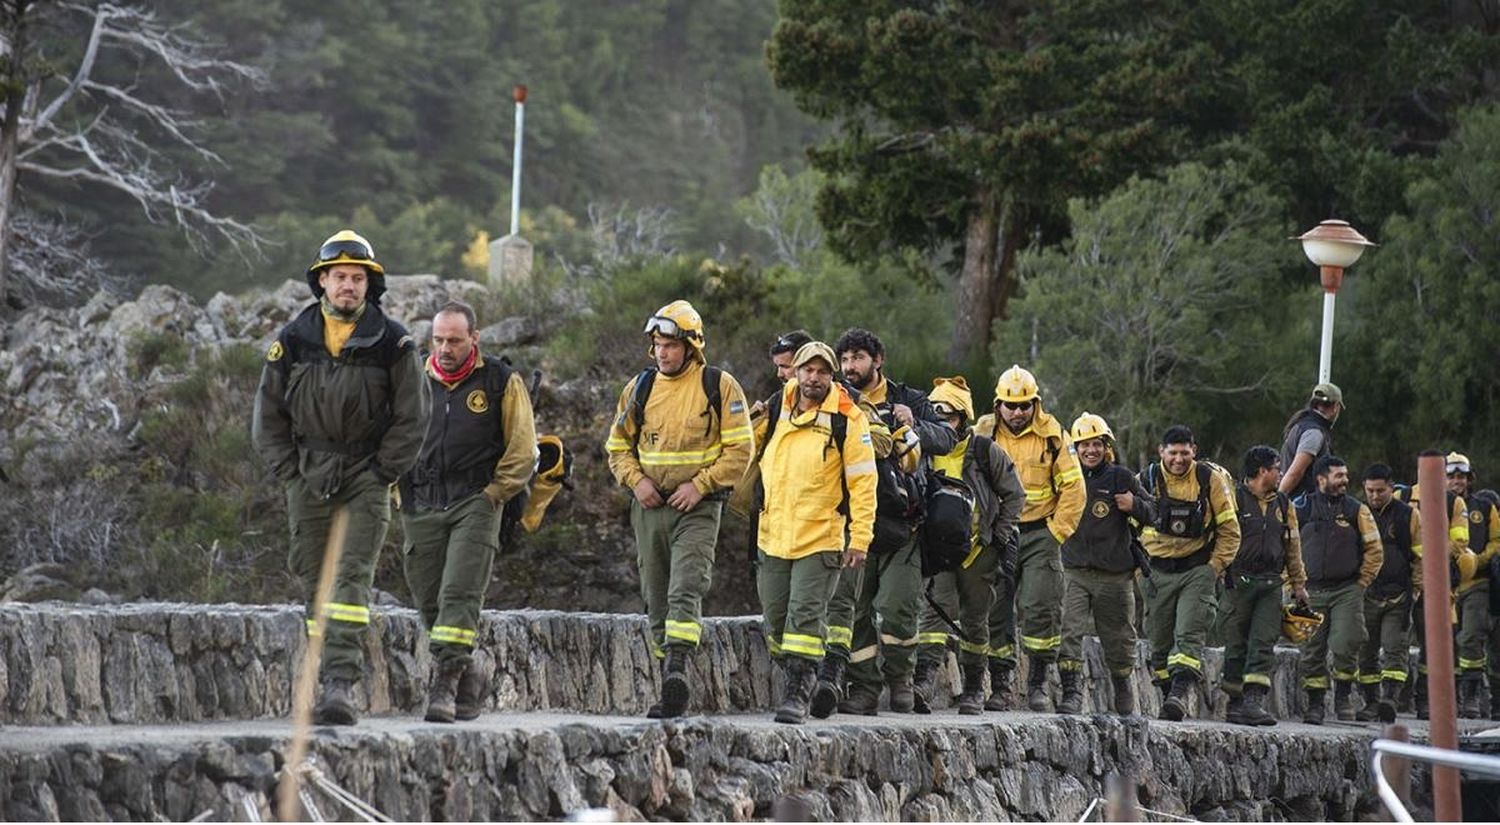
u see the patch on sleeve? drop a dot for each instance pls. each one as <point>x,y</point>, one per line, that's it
<point>864,438</point>
<point>406,342</point>
<point>275,352</point>
<point>736,407</point>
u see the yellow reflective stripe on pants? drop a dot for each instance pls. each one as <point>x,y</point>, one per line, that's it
<point>930,637</point>
<point>774,645</point>
<point>1161,674</point>
<point>864,654</point>
<point>1002,652</point>
<point>1470,664</point>
<point>351,613</point>
<point>312,627</point>
<point>452,635</point>
<point>1393,675</point>
<point>1185,660</point>
<point>689,632</point>
<point>1345,675</point>
<point>805,645</point>
<point>1369,678</point>
<point>970,647</point>
<point>1037,644</point>
<point>1315,682</point>
<point>1257,679</point>
<point>841,636</point>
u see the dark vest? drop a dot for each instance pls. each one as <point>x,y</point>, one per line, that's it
<point>1331,545</point>
<point>1479,523</point>
<point>1263,536</point>
<point>465,440</point>
<point>1308,419</point>
<point>1394,523</point>
<point>1102,540</point>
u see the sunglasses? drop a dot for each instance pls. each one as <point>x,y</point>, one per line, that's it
<point>1017,405</point>
<point>350,250</point>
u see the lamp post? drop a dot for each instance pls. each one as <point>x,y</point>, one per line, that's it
<point>1333,246</point>
<point>511,256</point>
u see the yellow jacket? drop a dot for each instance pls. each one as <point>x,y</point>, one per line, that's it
<point>679,441</point>
<point>801,470</point>
<point>1223,520</point>
<point>1054,484</point>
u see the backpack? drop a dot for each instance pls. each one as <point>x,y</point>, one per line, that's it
<point>945,535</point>
<point>1174,517</point>
<point>553,471</point>
<point>647,379</point>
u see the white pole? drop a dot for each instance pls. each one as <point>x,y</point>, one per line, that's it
<point>1325,355</point>
<point>515,184</point>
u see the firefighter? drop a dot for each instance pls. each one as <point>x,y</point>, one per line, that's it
<point>1250,609</point>
<point>888,605</point>
<point>1460,557</point>
<point>479,453</point>
<point>1031,579</point>
<point>1192,542</point>
<point>1478,634</point>
<point>679,442</point>
<point>1384,658</point>
<point>1099,567</point>
<point>1342,549</point>
<point>818,473</point>
<point>968,593</point>
<point>339,416</point>
<point>1309,437</point>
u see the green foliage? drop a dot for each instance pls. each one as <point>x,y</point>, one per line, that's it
<point>1158,310</point>
<point>149,350</point>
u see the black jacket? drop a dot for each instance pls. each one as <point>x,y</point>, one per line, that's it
<point>1102,541</point>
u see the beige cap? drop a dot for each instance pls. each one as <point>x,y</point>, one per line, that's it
<point>1329,392</point>
<point>815,349</point>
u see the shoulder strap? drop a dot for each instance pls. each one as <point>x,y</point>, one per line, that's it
<point>1205,480</point>
<point>496,382</point>
<point>711,380</point>
<point>980,447</point>
<point>642,394</point>
<point>1054,447</point>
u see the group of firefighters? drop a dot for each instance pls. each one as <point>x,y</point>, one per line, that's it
<point>835,473</point>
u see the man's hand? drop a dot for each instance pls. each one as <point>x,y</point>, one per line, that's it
<point>686,497</point>
<point>1125,501</point>
<point>494,502</point>
<point>854,558</point>
<point>903,414</point>
<point>647,495</point>
<point>758,407</point>
<point>1299,593</point>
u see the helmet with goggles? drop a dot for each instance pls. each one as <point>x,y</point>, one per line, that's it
<point>680,321</point>
<point>347,247</point>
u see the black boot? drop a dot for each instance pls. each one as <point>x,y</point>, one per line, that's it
<point>675,690</point>
<point>1253,709</point>
<point>830,687</point>
<point>1419,696</point>
<point>971,701</point>
<point>1234,712</point>
<point>1468,695</point>
<point>862,701</point>
<point>1175,707</point>
<point>1002,691</point>
<point>1072,690</point>
<point>1370,692</point>
<point>903,697</point>
<point>442,691</point>
<point>1343,700</point>
<point>1036,686</point>
<point>801,675</point>
<point>336,706</point>
<point>471,689</point>
<point>1124,694</point>
<point>1315,710</point>
<point>1385,707</point>
<point>924,685</point>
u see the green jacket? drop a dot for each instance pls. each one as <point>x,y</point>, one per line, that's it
<point>329,419</point>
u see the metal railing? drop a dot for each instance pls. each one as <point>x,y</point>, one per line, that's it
<point>1472,762</point>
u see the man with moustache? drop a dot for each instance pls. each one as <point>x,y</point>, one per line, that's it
<point>1384,656</point>
<point>680,441</point>
<point>479,452</point>
<point>339,416</point>
<point>818,472</point>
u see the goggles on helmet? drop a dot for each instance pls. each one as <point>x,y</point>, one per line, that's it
<point>944,408</point>
<point>348,249</point>
<point>1457,467</point>
<point>659,325</point>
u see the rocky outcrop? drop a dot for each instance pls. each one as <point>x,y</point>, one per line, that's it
<point>715,768</point>
<point>149,663</point>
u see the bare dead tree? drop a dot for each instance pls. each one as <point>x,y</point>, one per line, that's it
<point>64,119</point>
<point>622,235</point>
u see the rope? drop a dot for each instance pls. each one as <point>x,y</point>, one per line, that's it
<point>1173,817</point>
<point>357,806</point>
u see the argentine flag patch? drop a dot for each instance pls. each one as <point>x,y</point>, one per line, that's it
<point>736,407</point>
<point>865,439</point>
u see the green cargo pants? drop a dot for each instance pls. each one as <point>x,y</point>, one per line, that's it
<point>1250,624</point>
<point>1105,602</point>
<point>794,595</point>
<point>1178,613</point>
<point>1038,599</point>
<point>1385,654</point>
<point>447,565</point>
<point>966,595</point>
<point>841,611</point>
<point>885,617</point>
<point>368,505</point>
<point>675,555</point>
<point>1338,639</point>
<point>1473,628</point>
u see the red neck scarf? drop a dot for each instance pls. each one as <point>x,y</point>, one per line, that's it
<point>453,378</point>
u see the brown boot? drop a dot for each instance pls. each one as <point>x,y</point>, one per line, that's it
<point>336,705</point>
<point>1001,688</point>
<point>471,690</point>
<point>924,684</point>
<point>1036,686</point>
<point>1072,690</point>
<point>1124,694</point>
<point>903,696</point>
<point>971,701</point>
<point>442,691</point>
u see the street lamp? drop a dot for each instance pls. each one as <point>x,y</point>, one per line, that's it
<point>1333,246</point>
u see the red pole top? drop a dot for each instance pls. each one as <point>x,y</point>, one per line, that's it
<point>1332,277</point>
<point>519,93</point>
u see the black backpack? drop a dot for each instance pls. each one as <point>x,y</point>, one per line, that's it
<point>945,536</point>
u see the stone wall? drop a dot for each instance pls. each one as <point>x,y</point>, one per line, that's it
<point>514,768</point>
<point>148,663</point>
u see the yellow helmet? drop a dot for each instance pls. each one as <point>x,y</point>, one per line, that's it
<point>347,247</point>
<point>1016,385</point>
<point>1467,563</point>
<point>951,395</point>
<point>678,320</point>
<point>1088,426</point>
<point>1299,623</point>
<point>1457,462</point>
